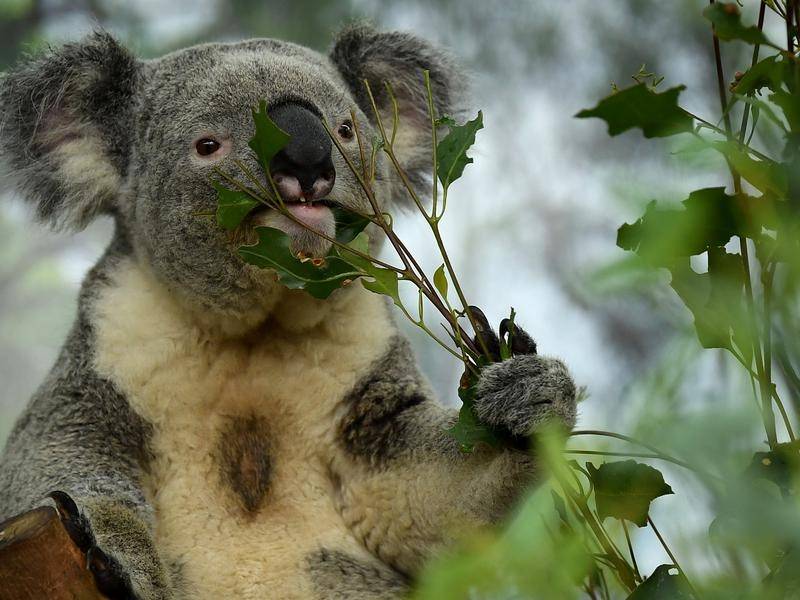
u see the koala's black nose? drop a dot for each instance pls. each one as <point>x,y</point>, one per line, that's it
<point>304,167</point>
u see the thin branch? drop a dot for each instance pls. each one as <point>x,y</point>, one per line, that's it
<point>768,416</point>
<point>630,549</point>
<point>671,555</point>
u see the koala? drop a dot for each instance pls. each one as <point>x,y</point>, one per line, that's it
<point>206,432</point>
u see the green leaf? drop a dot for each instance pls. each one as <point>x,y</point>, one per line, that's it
<point>440,281</point>
<point>790,106</point>
<point>709,218</point>
<point>348,224</point>
<point>781,466</point>
<point>727,20</point>
<point>451,152</point>
<point>622,568</point>
<point>561,508</point>
<point>273,251</point>
<point>667,237</point>
<point>716,300</point>
<point>269,139</point>
<point>663,586</point>
<point>378,280</point>
<point>625,489</point>
<point>384,281</point>
<point>468,430</point>
<point>765,175</point>
<point>445,121</point>
<point>656,114</point>
<point>232,206</point>
<point>770,73</point>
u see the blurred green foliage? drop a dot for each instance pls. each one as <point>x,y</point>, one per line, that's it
<point>733,258</point>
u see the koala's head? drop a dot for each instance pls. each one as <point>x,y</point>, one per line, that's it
<point>88,129</point>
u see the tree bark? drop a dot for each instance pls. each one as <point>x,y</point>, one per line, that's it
<point>38,560</point>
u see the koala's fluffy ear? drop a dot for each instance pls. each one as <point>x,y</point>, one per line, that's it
<point>66,121</point>
<point>362,53</point>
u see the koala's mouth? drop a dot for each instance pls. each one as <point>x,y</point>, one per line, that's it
<point>300,219</point>
<point>301,204</point>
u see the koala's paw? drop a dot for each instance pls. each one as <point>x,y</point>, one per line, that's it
<point>110,578</point>
<point>526,392</point>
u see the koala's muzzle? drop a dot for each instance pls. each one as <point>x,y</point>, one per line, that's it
<point>303,170</point>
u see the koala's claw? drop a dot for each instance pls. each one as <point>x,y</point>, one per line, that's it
<point>485,338</point>
<point>517,338</point>
<point>110,578</point>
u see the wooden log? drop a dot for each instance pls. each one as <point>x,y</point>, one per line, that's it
<point>38,560</point>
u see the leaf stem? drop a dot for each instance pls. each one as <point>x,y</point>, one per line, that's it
<point>434,158</point>
<point>597,529</point>
<point>767,414</point>
<point>389,149</point>
<point>746,110</point>
<point>671,555</point>
<point>656,452</point>
<point>630,549</point>
<point>417,277</point>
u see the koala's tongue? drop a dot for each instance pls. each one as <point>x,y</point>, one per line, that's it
<point>316,216</point>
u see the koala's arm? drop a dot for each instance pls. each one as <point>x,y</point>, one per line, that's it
<point>404,486</point>
<point>79,444</point>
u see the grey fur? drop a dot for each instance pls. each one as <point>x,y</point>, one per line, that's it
<point>361,53</point>
<point>525,393</point>
<point>339,576</point>
<point>135,122</point>
<point>79,435</point>
<point>380,422</point>
<point>82,90</point>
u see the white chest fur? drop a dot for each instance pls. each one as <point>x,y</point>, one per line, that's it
<point>191,385</point>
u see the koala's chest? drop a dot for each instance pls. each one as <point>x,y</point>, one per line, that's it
<point>239,478</point>
<point>243,433</point>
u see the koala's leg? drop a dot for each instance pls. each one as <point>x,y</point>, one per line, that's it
<point>403,484</point>
<point>80,445</point>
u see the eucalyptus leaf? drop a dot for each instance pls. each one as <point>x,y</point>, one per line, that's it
<point>727,20</point>
<point>770,72</point>
<point>765,175</point>
<point>468,431</point>
<point>451,151</point>
<point>625,489</point>
<point>709,217</point>
<point>378,280</point>
<point>662,585</point>
<point>320,277</point>
<point>232,206</point>
<point>269,139</point>
<point>348,224</point>
<point>440,281</point>
<point>781,465</point>
<point>656,114</point>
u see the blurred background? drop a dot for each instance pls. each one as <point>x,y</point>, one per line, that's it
<point>533,221</point>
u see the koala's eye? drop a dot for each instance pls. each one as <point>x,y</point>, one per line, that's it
<point>346,131</point>
<point>207,146</point>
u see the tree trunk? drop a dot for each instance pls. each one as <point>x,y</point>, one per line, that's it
<point>38,560</point>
